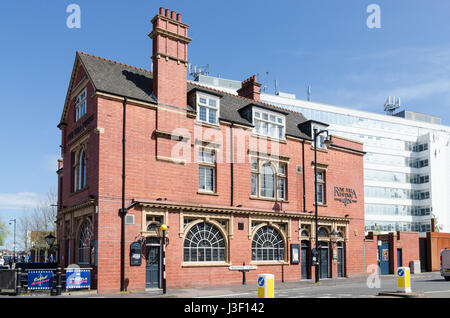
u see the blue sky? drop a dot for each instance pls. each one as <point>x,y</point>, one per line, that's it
<point>325,43</point>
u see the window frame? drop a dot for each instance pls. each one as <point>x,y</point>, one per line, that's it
<point>256,177</point>
<point>276,249</point>
<point>269,122</point>
<point>321,183</point>
<point>85,251</point>
<point>81,105</point>
<point>207,166</point>
<point>208,108</point>
<point>219,247</point>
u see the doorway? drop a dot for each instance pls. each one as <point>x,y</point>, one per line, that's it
<point>152,264</point>
<point>384,257</point>
<point>305,260</point>
<point>324,260</point>
<point>340,259</point>
<point>399,257</point>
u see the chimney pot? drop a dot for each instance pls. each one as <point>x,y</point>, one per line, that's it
<point>178,17</point>
<point>172,15</point>
<point>167,13</point>
<point>250,89</point>
<point>161,11</point>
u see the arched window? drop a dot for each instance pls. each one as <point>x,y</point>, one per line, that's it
<point>322,232</point>
<point>84,242</point>
<point>82,172</point>
<point>204,243</point>
<point>267,181</point>
<point>267,245</point>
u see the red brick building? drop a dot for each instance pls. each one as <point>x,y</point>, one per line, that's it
<point>232,177</point>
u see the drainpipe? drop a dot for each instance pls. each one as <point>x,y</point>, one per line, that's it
<point>123,211</point>
<point>232,165</point>
<point>304,178</point>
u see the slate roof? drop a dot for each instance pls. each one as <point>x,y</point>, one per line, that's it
<point>135,83</point>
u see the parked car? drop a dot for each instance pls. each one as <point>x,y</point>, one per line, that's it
<point>445,263</point>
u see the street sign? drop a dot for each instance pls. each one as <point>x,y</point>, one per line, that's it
<point>266,285</point>
<point>403,280</point>
<point>242,268</point>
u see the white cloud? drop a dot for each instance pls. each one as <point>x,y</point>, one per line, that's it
<point>19,201</point>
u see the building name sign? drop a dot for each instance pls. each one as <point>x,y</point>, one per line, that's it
<point>80,128</point>
<point>345,195</point>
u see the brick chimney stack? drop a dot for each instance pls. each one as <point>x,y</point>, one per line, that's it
<point>170,61</point>
<point>250,89</point>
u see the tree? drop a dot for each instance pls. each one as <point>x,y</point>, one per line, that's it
<point>3,233</point>
<point>41,218</point>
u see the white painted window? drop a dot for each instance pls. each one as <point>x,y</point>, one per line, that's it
<point>321,187</point>
<point>80,105</point>
<point>269,124</point>
<point>208,108</point>
<point>207,170</point>
<point>267,181</point>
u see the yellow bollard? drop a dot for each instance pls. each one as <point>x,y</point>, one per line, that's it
<point>266,285</point>
<point>404,280</point>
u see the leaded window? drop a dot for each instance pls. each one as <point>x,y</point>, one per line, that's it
<point>267,245</point>
<point>84,242</point>
<point>204,243</point>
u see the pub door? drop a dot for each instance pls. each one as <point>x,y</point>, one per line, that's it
<point>304,258</point>
<point>324,260</point>
<point>152,267</point>
<point>340,259</point>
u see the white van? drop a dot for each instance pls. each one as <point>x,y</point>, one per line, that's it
<point>445,263</point>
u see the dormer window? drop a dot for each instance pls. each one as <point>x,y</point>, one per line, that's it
<point>80,105</point>
<point>208,109</point>
<point>269,124</point>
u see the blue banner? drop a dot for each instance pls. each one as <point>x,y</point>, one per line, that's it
<point>77,278</point>
<point>40,280</point>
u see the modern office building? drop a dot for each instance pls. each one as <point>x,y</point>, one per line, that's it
<point>407,161</point>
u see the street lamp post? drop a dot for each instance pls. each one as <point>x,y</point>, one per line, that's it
<point>164,229</point>
<point>326,142</point>
<point>14,253</point>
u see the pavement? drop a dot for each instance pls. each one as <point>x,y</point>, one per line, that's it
<point>424,285</point>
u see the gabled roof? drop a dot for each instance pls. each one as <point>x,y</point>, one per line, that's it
<point>124,80</point>
<point>120,79</point>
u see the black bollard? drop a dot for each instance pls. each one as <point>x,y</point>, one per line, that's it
<point>243,275</point>
<point>58,284</point>
<point>18,281</point>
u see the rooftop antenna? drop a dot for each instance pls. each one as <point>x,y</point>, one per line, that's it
<point>308,93</point>
<point>195,71</point>
<point>392,103</point>
<point>276,87</point>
